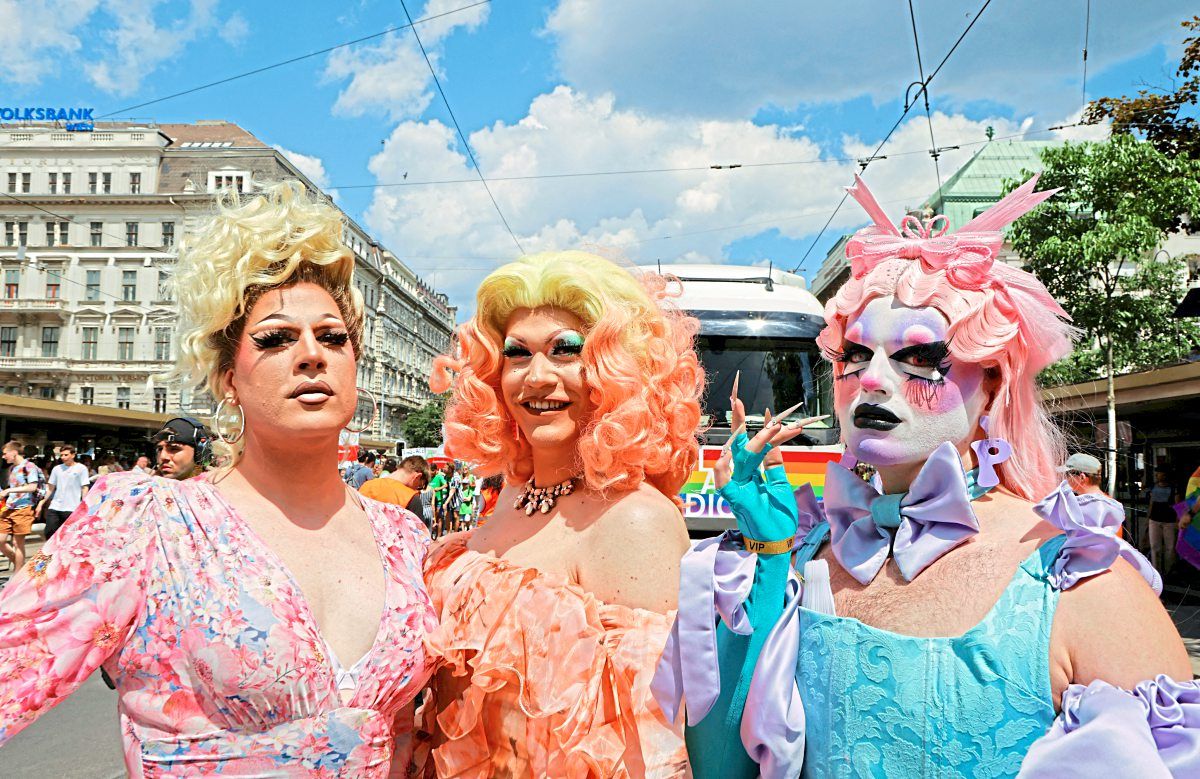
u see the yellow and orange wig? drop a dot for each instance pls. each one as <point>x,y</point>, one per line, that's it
<point>640,365</point>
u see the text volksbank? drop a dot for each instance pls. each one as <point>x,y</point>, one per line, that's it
<point>47,114</point>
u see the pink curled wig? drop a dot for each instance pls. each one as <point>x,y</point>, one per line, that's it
<point>642,370</point>
<point>1000,317</point>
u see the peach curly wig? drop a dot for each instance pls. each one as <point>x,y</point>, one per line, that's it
<point>641,368</point>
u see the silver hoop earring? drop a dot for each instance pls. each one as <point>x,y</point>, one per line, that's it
<point>374,411</point>
<point>230,440</point>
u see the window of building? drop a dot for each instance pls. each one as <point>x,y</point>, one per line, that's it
<point>97,233</point>
<point>160,400</point>
<point>162,343</point>
<point>106,183</point>
<point>92,287</point>
<point>166,288</point>
<point>125,343</point>
<point>87,395</point>
<point>53,183</point>
<point>12,283</point>
<point>131,233</point>
<point>49,341</point>
<point>168,234</point>
<point>53,283</point>
<point>64,233</point>
<point>66,183</point>
<point>129,285</point>
<point>57,233</point>
<point>123,397</point>
<point>12,181</point>
<point>228,179</point>
<point>10,233</point>
<point>8,342</point>
<point>22,233</point>
<point>47,393</point>
<point>26,180</point>
<point>91,335</point>
<point>135,183</point>
<point>92,178</point>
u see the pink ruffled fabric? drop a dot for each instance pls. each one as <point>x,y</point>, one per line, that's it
<point>1150,731</point>
<point>552,681</point>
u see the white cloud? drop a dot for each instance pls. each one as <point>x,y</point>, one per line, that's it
<point>311,166</point>
<point>235,30</point>
<point>391,77</point>
<point>659,216</point>
<point>115,43</point>
<point>34,36</point>
<point>713,58</point>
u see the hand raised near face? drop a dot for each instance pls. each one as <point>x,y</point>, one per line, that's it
<point>762,503</point>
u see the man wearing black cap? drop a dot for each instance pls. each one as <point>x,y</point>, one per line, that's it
<point>184,447</point>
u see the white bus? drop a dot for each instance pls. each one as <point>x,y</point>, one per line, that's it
<point>762,322</point>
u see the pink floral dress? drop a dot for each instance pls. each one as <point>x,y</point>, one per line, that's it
<point>219,665</point>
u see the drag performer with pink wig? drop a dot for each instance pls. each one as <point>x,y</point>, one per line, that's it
<point>577,381</point>
<point>952,625</point>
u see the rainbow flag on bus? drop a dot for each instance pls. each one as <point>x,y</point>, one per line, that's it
<point>1188,545</point>
<point>699,493</point>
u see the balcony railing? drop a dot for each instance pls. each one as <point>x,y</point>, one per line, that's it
<point>25,304</point>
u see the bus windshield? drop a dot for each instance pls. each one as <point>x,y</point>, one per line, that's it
<point>775,373</point>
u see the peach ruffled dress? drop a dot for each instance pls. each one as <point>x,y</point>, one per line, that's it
<point>539,678</point>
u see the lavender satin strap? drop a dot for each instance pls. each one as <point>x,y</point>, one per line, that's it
<point>932,518</point>
<point>772,727</point>
<point>715,578</point>
<point>1092,545</point>
<point>1151,731</point>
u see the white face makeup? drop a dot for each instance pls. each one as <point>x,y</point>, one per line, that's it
<point>899,393</point>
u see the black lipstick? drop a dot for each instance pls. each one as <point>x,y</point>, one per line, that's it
<point>872,417</point>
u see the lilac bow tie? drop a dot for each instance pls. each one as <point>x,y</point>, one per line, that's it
<point>932,518</point>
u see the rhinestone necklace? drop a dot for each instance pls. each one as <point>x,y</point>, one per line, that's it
<point>542,499</point>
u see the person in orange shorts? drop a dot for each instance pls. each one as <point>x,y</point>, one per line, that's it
<point>16,518</point>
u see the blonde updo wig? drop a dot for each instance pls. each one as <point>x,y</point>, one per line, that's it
<point>276,238</point>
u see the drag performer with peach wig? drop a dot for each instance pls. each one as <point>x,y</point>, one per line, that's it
<point>578,382</point>
<point>220,606</point>
<point>952,624</point>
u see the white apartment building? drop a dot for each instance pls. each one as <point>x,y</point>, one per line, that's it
<point>90,224</point>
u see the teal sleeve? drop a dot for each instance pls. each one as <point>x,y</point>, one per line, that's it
<point>715,744</point>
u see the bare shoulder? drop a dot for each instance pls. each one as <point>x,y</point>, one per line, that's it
<point>1112,627</point>
<point>645,510</point>
<point>633,551</point>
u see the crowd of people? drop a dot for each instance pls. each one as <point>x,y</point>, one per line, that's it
<point>955,610</point>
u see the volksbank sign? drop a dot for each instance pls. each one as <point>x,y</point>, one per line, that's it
<point>47,114</point>
<point>74,119</point>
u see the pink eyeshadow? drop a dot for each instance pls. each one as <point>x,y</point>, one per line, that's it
<point>918,334</point>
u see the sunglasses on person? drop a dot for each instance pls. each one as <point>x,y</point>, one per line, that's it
<point>1079,474</point>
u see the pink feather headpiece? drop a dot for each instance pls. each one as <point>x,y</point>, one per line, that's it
<point>967,255</point>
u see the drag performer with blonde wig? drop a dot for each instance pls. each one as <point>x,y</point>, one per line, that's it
<point>577,382</point>
<point>220,606</point>
<point>949,626</point>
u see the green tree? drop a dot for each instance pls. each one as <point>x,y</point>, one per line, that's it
<point>1159,113</point>
<point>1095,247</point>
<point>423,427</point>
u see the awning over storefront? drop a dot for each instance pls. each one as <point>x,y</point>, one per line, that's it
<point>18,408</point>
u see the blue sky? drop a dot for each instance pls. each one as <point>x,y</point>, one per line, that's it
<point>572,86</point>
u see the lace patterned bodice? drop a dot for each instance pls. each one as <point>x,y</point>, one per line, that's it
<point>882,704</point>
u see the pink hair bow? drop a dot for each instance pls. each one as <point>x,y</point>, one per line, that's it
<point>966,255</point>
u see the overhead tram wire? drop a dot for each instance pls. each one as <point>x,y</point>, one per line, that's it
<point>933,147</point>
<point>1087,29</point>
<point>302,57</point>
<point>903,114</point>
<point>466,145</point>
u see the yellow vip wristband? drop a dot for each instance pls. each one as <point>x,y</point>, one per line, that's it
<point>767,547</point>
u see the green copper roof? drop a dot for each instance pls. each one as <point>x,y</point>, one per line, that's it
<point>978,183</point>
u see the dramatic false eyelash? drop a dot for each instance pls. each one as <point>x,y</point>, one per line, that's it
<point>514,349</point>
<point>570,343</point>
<point>842,357</point>
<point>934,355</point>
<point>273,339</point>
<point>926,390</point>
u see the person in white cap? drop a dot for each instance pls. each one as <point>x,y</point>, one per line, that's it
<point>1083,477</point>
